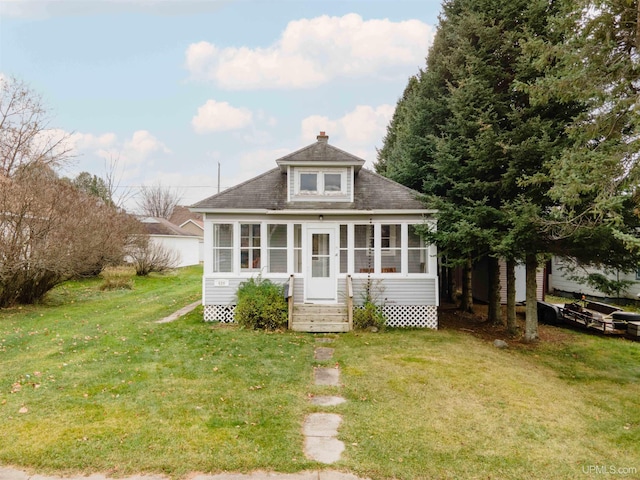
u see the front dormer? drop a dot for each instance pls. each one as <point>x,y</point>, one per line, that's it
<point>320,173</point>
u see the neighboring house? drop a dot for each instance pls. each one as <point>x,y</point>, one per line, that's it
<point>191,222</point>
<point>187,245</point>
<point>561,281</point>
<point>481,282</point>
<point>326,226</point>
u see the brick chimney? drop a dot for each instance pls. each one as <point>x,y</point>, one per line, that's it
<point>323,137</point>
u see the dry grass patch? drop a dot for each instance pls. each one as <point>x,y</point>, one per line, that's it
<point>447,405</point>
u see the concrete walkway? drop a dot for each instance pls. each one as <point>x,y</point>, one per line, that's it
<point>7,473</point>
<point>177,315</point>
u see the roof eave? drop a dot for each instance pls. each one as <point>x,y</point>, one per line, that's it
<point>414,211</point>
<point>319,163</point>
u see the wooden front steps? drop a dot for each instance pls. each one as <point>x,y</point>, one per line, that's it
<point>320,318</point>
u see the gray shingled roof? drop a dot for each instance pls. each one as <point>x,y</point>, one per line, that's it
<point>162,226</point>
<point>322,152</point>
<point>182,213</point>
<point>269,192</point>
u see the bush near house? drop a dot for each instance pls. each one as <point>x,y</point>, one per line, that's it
<point>261,305</point>
<point>369,316</point>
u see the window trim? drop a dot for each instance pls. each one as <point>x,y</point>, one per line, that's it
<point>320,182</point>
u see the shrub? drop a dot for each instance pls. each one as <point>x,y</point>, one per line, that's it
<point>147,256</point>
<point>117,284</point>
<point>261,305</point>
<point>369,316</point>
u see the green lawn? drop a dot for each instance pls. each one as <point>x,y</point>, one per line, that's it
<point>104,389</point>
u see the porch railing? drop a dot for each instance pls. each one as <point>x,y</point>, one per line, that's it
<point>290,301</point>
<point>350,302</point>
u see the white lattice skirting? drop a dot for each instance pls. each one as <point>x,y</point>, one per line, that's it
<point>419,316</point>
<point>219,313</point>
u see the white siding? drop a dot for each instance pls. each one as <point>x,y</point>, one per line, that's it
<point>219,291</point>
<point>400,291</point>
<point>559,281</point>
<point>222,291</point>
<point>187,248</point>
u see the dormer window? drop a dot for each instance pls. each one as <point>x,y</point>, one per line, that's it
<point>332,182</point>
<point>321,182</point>
<point>308,183</point>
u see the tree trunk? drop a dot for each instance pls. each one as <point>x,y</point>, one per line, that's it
<point>466,303</point>
<point>494,311</point>
<point>531,321</point>
<point>451,286</point>
<point>512,324</point>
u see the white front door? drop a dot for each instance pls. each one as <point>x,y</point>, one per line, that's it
<point>320,278</point>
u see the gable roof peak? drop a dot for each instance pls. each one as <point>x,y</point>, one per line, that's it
<point>320,153</point>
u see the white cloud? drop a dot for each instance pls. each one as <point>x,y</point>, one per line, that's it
<point>100,153</point>
<point>365,125</point>
<point>313,51</point>
<point>357,132</point>
<point>88,141</point>
<point>220,116</point>
<point>141,146</point>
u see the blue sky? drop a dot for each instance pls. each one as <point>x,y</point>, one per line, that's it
<point>166,89</point>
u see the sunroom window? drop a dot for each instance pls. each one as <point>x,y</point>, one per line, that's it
<point>250,246</point>
<point>364,245</point>
<point>390,244</point>
<point>344,250</point>
<point>417,251</point>
<point>222,247</point>
<point>277,248</point>
<point>297,248</point>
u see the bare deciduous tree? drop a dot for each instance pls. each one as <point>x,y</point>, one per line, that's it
<point>148,256</point>
<point>119,194</point>
<point>50,232</point>
<point>158,201</point>
<point>25,136</point>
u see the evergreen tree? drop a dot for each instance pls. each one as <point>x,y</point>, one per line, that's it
<point>488,136</point>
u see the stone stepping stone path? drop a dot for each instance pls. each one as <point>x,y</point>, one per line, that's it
<point>320,442</point>
<point>323,353</point>
<point>327,376</point>
<point>321,429</point>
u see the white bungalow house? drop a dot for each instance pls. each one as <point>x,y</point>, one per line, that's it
<point>328,228</point>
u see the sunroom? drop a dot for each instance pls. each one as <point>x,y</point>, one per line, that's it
<point>334,232</point>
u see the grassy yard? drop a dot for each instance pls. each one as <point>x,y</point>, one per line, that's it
<point>89,383</point>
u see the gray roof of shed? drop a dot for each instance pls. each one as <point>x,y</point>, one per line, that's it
<point>162,226</point>
<point>269,192</point>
